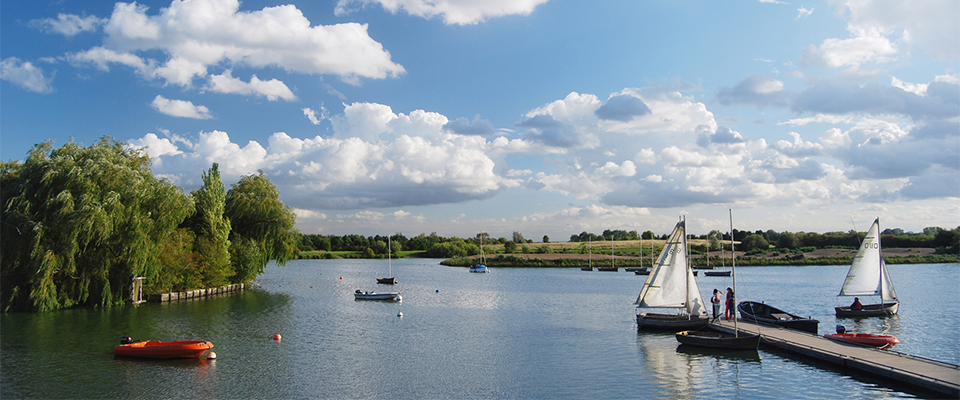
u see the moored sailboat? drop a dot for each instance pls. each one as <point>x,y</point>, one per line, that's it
<point>391,280</point>
<point>868,276</point>
<point>671,286</point>
<point>480,267</point>
<point>729,341</point>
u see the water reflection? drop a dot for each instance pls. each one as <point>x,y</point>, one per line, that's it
<point>675,376</point>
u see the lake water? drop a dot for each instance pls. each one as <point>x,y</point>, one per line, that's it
<point>512,333</point>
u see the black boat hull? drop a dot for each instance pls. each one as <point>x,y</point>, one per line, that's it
<point>760,312</point>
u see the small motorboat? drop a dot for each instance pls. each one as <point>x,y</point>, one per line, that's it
<point>391,296</point>
<point>718,340</point>
<point>159,349</point>
<point>866,339</point>
<point>760,312</point>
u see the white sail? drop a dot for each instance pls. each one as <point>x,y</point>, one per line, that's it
<point>671,283</point>
<point>868,274</point>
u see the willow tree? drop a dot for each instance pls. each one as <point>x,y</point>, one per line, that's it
<point>78,223</point>
<point>262,226</point>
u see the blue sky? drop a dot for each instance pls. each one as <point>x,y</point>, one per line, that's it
<point>545,117</point>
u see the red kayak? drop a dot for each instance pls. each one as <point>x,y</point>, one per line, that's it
<point>869,339</point>
<point>158,349</point>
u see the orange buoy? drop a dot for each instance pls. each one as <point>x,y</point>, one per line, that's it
<point>211,355</point>
<point>276,337</point>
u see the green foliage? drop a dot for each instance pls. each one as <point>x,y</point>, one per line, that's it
<point>259,219</point>
<point>449,250</point>
<point>510,247</point>
<point>788,240</point>
<point>79,223</point>
<point>754,241</point>
<point>212,232</point>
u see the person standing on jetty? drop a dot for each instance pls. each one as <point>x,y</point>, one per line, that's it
<point>716,304</point>
<point>731,311</point>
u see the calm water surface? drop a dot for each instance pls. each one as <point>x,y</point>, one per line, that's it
<point>512,333</point>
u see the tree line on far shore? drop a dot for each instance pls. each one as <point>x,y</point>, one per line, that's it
<point>435,246</point>
<point>79,223</point>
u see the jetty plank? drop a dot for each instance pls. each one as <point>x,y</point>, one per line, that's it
<point>911,370</point>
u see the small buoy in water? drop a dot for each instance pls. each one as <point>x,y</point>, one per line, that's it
<point>341,278</point>
<point>399,314</point>
<point>276,337</point>
<point>438,290</point>
<point>211,355</point>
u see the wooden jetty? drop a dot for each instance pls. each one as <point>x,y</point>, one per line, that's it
<point>193,294</point>
<point>915,371</point>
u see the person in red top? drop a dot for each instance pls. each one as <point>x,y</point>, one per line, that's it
<point>731,311</point>
<point>856,306</point>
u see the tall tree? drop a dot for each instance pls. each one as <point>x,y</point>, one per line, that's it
<point>212,230</point>
<point>78,223</point>
<point>262,226</point>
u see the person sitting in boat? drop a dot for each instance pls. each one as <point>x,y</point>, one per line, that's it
<point>856,306</point>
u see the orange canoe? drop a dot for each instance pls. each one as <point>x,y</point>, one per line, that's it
<point>158,349</point>
<point>881,341</point>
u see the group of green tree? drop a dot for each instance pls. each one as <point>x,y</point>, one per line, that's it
<point>931,237</point>
<point>79,223</point>
<point>945,240</point>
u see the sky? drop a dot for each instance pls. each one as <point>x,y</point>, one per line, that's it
<point>544,117</point>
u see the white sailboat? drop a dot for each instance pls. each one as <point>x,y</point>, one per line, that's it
<point>671,286</point>
<point>481,267</point>
<point>868,276</point>
<point>726,341</point>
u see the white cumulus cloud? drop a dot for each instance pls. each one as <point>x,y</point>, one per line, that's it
<point>459,12</point>
<point>25,75</point>
<point>200,34</point>
<point>180,108</point>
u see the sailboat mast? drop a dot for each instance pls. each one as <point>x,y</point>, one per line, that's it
<point>880,262</point>
<point>733,272</point>
<point>389,259</point>
<point>688,274</point>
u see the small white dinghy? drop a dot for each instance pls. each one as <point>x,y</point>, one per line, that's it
<point>390,296</point>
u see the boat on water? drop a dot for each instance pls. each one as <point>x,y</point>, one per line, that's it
<point>759,312</point>
<point>613,259</point>
<point>480,267</point>
<point>391,280</point>
<point>736,340</point>
<point>868,276</point>
<point>866,339</point>
<point>160,349</point>
<point>390,296</point>
<point>642,271</point>
<point>716,273</point>
<point>671,287</point>
<point>719,340</point>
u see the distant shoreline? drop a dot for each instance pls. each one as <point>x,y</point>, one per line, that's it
<point>772,258</point>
